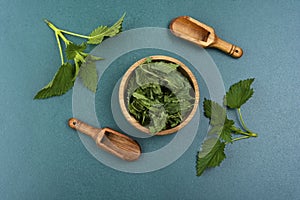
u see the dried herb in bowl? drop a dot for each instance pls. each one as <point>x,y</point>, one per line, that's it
<point>159,96</point>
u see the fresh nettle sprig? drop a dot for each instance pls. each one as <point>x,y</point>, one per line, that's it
<point>222,129</point>
<point>79,63</point>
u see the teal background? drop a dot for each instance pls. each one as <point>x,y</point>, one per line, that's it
<point>41,158</point>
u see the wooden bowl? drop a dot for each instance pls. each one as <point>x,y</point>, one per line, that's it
<point>123,91</point>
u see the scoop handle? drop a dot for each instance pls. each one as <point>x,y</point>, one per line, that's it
<point>228,48</point>
<point>84,128</point>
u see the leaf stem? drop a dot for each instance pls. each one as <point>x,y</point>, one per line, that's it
<point>60,49</point>
<point>64,38</point>
<point>244,125</point>
<point>240,138</point>
<point>75,34</point>
<point>239,131</point>
<point>76,69</point>
<point>54,28</point>
<point>57,32</point>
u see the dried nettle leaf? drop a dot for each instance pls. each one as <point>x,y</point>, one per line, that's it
<point>159,96</point>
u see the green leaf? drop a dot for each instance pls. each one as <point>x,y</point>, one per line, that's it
<point>159,96</point>
<point>94,58</point>
<point>160,67</point>
<point>97,36</point>
<point>145,77</point>
<point>88,74</point>
<point>239,93</point>
<point>215,112</point>
<point>148,60</point>
<point>224,132</point>
<point>131,87</point>
<point>74,50</point>
<point>60,84</point>
<point>211,155</point>
<point>215,130</point>
<point>158,118</point>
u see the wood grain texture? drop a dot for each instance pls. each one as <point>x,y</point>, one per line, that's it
<point>194,31</point>
<point>110,140</point>
<point>183,69</point>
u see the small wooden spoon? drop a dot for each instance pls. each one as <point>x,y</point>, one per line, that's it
<point>110,140</point>
<point>194,31</point>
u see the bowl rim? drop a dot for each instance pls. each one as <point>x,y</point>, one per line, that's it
<point>123,86</point>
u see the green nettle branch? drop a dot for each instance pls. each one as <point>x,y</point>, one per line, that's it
<point>223,129</point>
<point>83,64</point>
<point>58,35</point>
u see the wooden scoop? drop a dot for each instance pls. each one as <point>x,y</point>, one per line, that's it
<point>194,31</point>
<point>110,140</point>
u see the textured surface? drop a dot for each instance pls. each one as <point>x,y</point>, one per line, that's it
<point>41,158</point>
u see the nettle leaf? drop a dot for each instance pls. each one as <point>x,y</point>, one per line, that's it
<point>93,58</point>
<point>211,155</point>
<point>97,35</point>
<point>223,132</point>
<point>226,131</point>
<point>215,112</point>
<point>148,60</point>
<point>176,82</point>
<point>220,133</point>
<point>158,118</point>
<point>143,76</point>
<point>74,50</point>
<point>88,74</point>
<point>161,67</point>
<point>60,84</point>
<point>239,93</point>
<point>159,96</point>
<point>131,87</point>
<point>215,130</point>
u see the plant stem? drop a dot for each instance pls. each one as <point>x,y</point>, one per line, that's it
<point>243,123</point>
<point>50,25</point>
<point>76,69</point>
<point>239,131</point>
<point>75,34</point>
<point>240,138</point>
<point>57,31</point>
<point>58,34</point>
<point>60,49</point>
<point>242,120</point>
<point>64,38</point>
